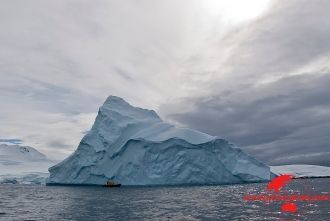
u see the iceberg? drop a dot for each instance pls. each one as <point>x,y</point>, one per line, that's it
<point>134,146</point>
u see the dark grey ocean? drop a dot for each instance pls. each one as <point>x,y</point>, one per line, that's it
<point>33,202</point>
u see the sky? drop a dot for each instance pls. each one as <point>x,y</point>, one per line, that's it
<point>253,72</point>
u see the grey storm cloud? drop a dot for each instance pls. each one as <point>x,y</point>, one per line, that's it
<point>291,119</point>
<point>274,100</point>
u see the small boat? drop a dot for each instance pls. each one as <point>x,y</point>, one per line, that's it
<point>112,184</point>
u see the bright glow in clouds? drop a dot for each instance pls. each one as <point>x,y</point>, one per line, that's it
<point>236,11</point>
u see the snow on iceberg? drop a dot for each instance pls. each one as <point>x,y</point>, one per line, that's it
<point>133,146</point>
<point>302,171</point>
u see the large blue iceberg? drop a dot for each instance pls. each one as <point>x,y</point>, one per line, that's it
<point>133,146</point>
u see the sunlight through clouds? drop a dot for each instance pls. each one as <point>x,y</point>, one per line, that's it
<point>236,11</point>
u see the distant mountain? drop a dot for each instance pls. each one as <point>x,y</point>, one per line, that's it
<point>134,146</point>
<point>15,154</point>
<point>23,164</point>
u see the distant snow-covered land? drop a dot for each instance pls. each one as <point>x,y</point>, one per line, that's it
<point>23,164</point>
<point>301,171</point>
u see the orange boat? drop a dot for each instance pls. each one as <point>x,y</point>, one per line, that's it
<point>112,184</point>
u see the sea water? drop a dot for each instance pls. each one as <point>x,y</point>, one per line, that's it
<point>37,202</point>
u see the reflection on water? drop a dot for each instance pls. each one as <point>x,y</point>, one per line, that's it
<point>24,202</point>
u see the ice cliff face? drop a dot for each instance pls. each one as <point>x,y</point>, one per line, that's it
<point>133,146</point>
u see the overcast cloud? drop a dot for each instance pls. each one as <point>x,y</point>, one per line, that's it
<point>262,83</point>
<point>271,95</point>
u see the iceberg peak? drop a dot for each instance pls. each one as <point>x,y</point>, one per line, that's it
<point>114,104</point>
<point>114,100</point>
